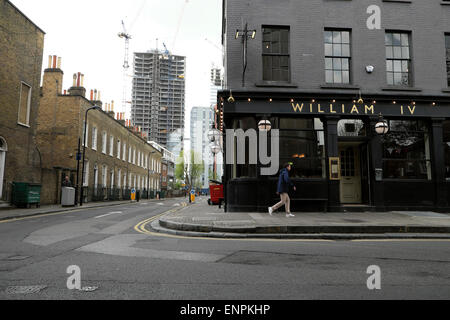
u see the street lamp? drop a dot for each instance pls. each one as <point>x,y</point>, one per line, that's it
<point>148,173</point>
<point>215,149</point>
<point>214,135</point>
<point>381,127</point>
<point>84,149</point>
<point>245,34</point>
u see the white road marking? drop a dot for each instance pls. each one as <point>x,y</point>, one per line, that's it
<point>109,214</point>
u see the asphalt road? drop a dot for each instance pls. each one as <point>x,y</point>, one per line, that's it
<point>118,262</point>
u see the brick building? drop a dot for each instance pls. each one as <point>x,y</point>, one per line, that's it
<point>117,157</point>
<point>21,50</point>
<point>321,75</point>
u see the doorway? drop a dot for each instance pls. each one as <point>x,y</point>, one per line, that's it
<point>350,154</point>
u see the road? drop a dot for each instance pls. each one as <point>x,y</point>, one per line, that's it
<point>118,262</point>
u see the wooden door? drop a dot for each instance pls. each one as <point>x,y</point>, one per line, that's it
<point>350,186</point>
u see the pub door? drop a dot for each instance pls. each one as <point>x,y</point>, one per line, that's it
<point>350,185</point>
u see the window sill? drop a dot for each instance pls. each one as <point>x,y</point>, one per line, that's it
<point>445,3</point>
<point>23,125</point>
<point>339,86</point>
<point>276,84</point>
<point>395,88</point>
<point>447,90</point>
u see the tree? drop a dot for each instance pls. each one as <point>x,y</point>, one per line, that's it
<point>188,168</point>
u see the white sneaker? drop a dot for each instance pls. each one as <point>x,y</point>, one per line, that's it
<point>270,210</point>
<point>289,215</point>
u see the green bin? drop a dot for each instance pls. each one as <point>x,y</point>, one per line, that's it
<point>25,194</point>
<point>162,195</point>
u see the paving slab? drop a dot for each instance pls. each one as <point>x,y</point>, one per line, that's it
<point>200,219</point>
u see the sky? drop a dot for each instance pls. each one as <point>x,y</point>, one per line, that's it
<point>85,34</point>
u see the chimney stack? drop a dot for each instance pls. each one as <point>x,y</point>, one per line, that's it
<point>77,88</point>
<point>110,110</point>
<point>53,76</point>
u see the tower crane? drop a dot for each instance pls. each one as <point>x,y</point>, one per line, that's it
<point>179,23</point>
<point>127,38</point>
<point>126,65</point>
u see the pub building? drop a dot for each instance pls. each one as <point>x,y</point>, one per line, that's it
<point>363,115</point>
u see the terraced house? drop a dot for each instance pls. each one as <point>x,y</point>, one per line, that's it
<point>117,158</point>
<point>333,76</point>
<point>21,50</point>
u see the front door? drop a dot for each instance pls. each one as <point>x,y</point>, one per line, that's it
<point>350,186</point>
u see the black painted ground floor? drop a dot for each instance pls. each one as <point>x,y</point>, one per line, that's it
<point>339,161</point>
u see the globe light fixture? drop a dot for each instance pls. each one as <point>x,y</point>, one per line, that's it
<point>381,127</point>
<point>264,125</point>
<point>213,135</point>
<point>215,149</point>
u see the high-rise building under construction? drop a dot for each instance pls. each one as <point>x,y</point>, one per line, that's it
<point>158,96</point>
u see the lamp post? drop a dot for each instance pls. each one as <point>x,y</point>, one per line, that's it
<point>148,175</point>
<point>214,136</point>
<point>84,149</point>
<point>245,34</point>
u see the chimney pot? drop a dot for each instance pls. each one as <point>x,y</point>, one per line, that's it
<point>59,63</point>
<point>54,62</point>
<point>74,79</point>
<point>78,79</point>
<point>82,80</point>
<point>49,62</point>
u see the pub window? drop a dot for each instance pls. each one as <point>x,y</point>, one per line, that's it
<point>302,142</point>
<point>276,58</point>
<point>398,58</point>
<point>246,170</point>
<point>447,50</point>
<point>446,127</point>
<point>406,151</point>
<point>24,105</point>
<point>337,56</point>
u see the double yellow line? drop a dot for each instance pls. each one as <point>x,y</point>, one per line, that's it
<point>141,228</point>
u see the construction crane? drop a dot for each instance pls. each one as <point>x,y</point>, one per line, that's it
<point>127,38</point>
<point>179,23</point>
<point>126,65</point>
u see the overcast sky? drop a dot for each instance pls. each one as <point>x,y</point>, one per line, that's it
<point>85,34</point>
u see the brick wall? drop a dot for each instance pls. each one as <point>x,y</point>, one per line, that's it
<point>60,127</point>
<point>427,20</point>
<point>21,50</point>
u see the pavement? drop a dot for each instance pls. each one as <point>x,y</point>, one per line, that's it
<point>201,220</point>
<point>10,213</point>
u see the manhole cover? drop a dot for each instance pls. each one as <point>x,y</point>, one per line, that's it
<point>24,289</point>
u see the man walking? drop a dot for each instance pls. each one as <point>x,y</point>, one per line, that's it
<point>284,182</point>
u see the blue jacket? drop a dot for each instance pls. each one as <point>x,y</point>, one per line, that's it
<point>284,182</point>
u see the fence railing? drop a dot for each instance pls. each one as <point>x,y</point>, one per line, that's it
<point>100,193</point>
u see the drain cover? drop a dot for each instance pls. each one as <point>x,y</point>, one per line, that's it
<point>88,289</point>
<point>24,289</point>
